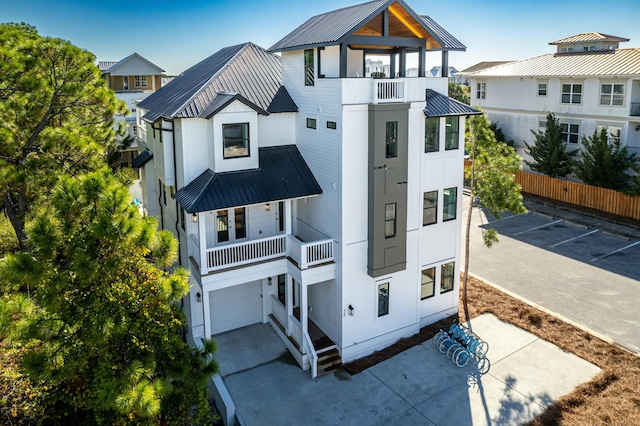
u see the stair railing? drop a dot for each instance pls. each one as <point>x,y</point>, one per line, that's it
<point>313,356</point>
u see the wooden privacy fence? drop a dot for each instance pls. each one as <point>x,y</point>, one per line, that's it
<point>603,199</point>
<point>579,194</point>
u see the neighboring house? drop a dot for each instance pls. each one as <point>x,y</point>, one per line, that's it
<point>133,79</point>
<point>462,77</point>
<point>377,66</point>
<point>451,73</point>
<point>588,83</point>
<point>310,197</point>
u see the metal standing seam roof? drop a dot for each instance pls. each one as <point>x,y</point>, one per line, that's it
<point>245,69</point>
<point>109,66</point>
<point>141,159</point>
<point>618,62</point>
<point>439,105</point>
<point>329,28</point>
<point>283,174</point>
<point>587,37</point>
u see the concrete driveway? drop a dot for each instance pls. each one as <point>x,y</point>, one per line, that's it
<point>584,269</point>
<point>417,387</point>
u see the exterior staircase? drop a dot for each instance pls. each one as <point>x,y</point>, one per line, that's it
<point>329,360</point>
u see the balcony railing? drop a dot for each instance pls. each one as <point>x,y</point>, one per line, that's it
<point>635,109</point>
<point>305,254</point>
<point>388,90</point>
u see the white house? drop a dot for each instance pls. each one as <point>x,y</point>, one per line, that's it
<point>308,196</point>
<point>588,83</point>
<point>133,79</point>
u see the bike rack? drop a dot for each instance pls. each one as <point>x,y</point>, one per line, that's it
<point>460,344</point>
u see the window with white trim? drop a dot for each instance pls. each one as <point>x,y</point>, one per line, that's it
<point>481,90</point>
<point>570,132</point>
<point>430,208</point>
<point>571,93</point>
<point>542,89</point>
<point>612,94</point>
<point>613,134</point>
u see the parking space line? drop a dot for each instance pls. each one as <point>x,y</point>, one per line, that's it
<point>508,217</point>
<point>575,238</point>
<point>616,251</point>
<point>538,227</point>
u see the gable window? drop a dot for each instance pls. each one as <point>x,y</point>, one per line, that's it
<point>570,132</point>
<point>140,81</point>
<point>427,283</point>
<point>239,216</point>
<point>451,133</point>
<point>392,139</point>
<point>383,299</point>
<point>446,277</point>
<point>309,70</point>
<point>481,90</point>
<point>431,134</point>
<point>235,138</point>
<point>430,208</point>
<point>542,89</point>
<point>125,82</point>
<point>311,123</point>
<point>390,220</point>
<point>222,222</point>
<point>612,94</point>
<point>571,93</point>
<point>449,204</point>
<point>282,288</point>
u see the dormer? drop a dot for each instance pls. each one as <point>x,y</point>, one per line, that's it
<point>587,42</point>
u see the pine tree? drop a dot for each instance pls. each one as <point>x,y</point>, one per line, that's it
<point>492,182</point>
<point>549,150</point>
<point>605,164</point>
<point>104,329</point>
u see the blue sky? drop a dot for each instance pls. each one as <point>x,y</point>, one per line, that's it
<point>176,35</point>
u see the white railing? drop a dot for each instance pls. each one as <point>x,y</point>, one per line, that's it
<point>305,254</point>
<point>279,311</point>
<point>296,331</point>
<point>313,356</point>
<point>243,253</point>
<point>388,90</point>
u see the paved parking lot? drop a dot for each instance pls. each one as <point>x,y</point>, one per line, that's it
<point>587,274</point>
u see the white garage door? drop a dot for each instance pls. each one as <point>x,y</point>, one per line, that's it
<point>236,307</point>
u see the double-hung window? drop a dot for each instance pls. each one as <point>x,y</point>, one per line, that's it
<point>235,140</point>
<point>449,204</point>
<point>383,299</point>
<point>451,133</point>
<point>446,277</point>
<point>432,134</point>
<point>570,132</point>
<point>571,93</point>
<point>612,94</point>
<point>427,283</point>
<point>481,90</point>
<point>430,208</point>
<point>309,69</point>
<point>390,220</point>
<point>542,89</point>
<point>391,142</point>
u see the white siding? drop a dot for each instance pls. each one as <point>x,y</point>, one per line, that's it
<point>277,129</point>
<point>236,112</point>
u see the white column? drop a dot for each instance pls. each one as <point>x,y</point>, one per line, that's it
<point>207,314</point>
<point>289,304</point>
<point>287,217</point>
<point>202,240</point>
<point>304,314</point>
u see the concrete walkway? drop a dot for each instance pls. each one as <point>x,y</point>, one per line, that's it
<point>417,387</point>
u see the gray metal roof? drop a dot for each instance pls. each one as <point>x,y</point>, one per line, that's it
<point>141,159</point>
<point>439,105</point>
<point>448,41</point>
<point>244,69</point>
<point>618,62</point>
<point>587,37</point>
<point>331,27</point>
<point>109,66</point>
<point>283,174</point>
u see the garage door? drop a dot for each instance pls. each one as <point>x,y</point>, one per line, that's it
<point>236,307</point>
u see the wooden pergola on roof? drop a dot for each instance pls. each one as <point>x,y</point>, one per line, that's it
<point>376,27</point>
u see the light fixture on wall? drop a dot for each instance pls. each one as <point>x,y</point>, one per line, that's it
<point>269,280</point>
<point>638,128</point>
<point>351,309</point>
<point>194,218</point>
<point>267,207</point>
<point>198,297</point>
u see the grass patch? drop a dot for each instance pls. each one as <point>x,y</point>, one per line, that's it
<point>610,398</point>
